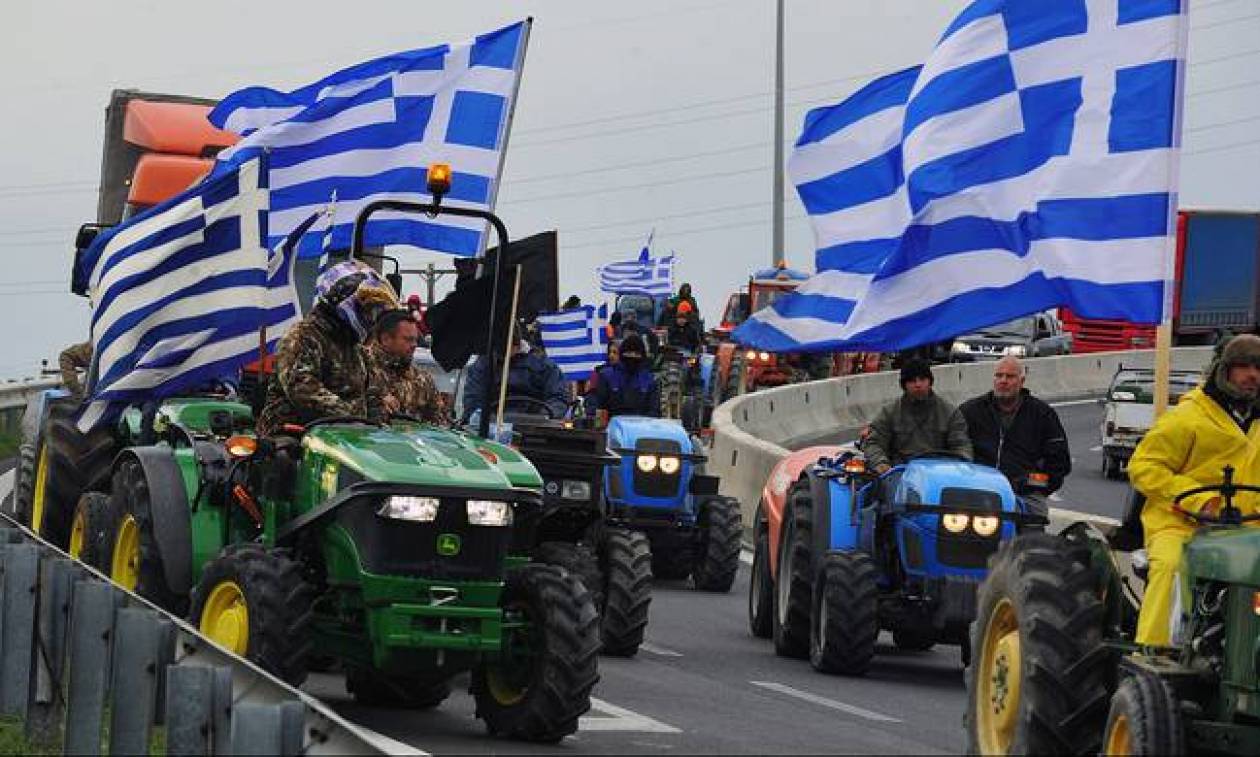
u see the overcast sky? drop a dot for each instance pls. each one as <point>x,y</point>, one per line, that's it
<point>656,113</point>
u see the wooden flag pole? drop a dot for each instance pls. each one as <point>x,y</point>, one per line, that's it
<point>1163,365</point>
<point>511,347</point>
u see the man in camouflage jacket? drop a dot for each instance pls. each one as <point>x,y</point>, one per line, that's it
<point>404,388</point>
<point>321,365</point>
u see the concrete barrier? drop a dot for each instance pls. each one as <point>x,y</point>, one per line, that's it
<point>752,433</point>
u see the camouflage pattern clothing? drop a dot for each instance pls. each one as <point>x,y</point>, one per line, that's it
<point>321,370</point>
<point>75,358</point>
<point>411,387</point>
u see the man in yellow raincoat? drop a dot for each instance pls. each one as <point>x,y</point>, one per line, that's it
<point>1215,425</point>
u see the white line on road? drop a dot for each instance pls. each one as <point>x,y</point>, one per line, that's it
<point>662,651</point>
<point>825,702</point>
<point>1097,520</point>
<point>1070,403</point>
<point>745,557</point>
<point>621,719</point>
<point>1096,448</point>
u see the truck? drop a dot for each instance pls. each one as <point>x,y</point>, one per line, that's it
<point>1217,286</point>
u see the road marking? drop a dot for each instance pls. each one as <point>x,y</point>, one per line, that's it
<point>621,719</point>
<point>662,651</point>
<point>1070,403</point>
<point>745,557</point>
<point>1097,520</point>
<point>385,743</point>
<point>1096,448</point>
<point>1055,497</point>
<point>825,702</point>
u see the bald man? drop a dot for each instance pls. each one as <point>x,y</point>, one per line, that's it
<point>1015,432</point>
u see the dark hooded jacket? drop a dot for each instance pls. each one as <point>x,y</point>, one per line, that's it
<point>1034,440</point>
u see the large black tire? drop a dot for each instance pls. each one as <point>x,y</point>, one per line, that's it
<point>671,391</point>
<point>540,694</point>
<point>24,483</point>
<point>74,463</point>
<point>914,639</point>
<point>131,547</point>
<point>793,584</point>
<point>412,693</point>
<point>846,615</point>
<point>275,599</point>
<point>626,560</point>
<point>579,560</point>
<point>761,586</point>
<point>720,530</point>
<point>1038,600</point>
<point>90,529</point>
<point>1145,719</point>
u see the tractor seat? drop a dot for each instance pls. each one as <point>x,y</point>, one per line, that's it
<point>1129,536</point>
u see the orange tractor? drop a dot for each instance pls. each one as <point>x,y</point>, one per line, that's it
<point>741,369</point>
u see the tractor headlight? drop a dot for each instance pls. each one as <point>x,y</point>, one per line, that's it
<point>670,465</point>
<point>985,525</point>
<point>575,490</point>
<point>646,463</point>
<point>960,347</point>
<point>750,355</point>
<point>404,507</point>
<point>489,512</point>
<point>955,523</point>
<point>764,356</point>
<point>1018,350</point>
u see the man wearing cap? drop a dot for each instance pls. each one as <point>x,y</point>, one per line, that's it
<point>1015,432</point>
<point>1211,427</point>
<point>917,423</point>
<point>684,332</point>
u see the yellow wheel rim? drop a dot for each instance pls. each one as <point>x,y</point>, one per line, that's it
<point>125,566</point>
<point>78,532</point>
<point>1118,740</point>
<point>998,680</point>
<point>504,691</point>
<point>225,618</point>
<point>41,490</point>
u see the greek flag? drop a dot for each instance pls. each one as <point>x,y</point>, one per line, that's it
<point>647,275</point>
<point>575,339</point>
<point>180,293</point>
<point>1030,162</point>
<point>370,132</point>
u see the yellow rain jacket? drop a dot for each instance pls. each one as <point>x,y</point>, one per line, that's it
<point>1188,448</point>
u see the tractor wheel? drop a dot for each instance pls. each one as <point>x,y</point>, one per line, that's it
<point>408,692</point>
<point>90,529</point>
<point>1145,718</point>
<point>68,464</point>
<point>732,376</point>
<point>761,588</point>
<point>671,391</point>
<point>914,639</point>
<point>252,601</point>
<point>24,483</point>
<point>793,584</point>
<point>579,560</point>
<point>135,562</point>
<point>846,615</point>
<point>627,567</point>
<point>717,556</point>
<point>541,684</point>
<point>1037,679</point>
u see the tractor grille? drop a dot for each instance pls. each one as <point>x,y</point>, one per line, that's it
<point>655,483</point>
<point>398,547</point>
<point>965,551</point>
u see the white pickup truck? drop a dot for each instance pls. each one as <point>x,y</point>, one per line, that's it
<point>1130,412</point>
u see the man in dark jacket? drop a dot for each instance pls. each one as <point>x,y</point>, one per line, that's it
<point>1015,432</point>
<point>917,423</point>
<point>684,332</point>
<point>628,387</point>
<point>530,374</point>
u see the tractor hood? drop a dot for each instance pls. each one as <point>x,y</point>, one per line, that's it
<point>422,455</point>
<point>625,431</point>
<point>946,482</point>
<point>1227,555</point>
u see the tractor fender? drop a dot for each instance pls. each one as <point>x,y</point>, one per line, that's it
<point>172,520</point>
<point>820,494</point>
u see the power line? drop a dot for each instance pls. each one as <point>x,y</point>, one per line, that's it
<point>654,219</point>
<point>646,185</point>
<point>668,234</point>
<point>638,164</point>
<point>1223,22</point>
<point>1220,148</point>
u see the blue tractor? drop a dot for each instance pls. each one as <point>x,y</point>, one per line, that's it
<point>903,552</point>
<point>660,488</point>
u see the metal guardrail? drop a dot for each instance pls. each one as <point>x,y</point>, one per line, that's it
<point>13,397</point>
<point>76,649</point>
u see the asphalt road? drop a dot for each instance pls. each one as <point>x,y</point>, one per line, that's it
<point>703,684</point>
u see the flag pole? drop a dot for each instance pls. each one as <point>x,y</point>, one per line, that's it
<point>507,357</point>
<point>1163,334</point>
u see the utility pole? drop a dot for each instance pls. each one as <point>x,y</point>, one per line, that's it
<point>776,249</point>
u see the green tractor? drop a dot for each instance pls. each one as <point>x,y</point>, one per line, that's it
<point>1056,671</point>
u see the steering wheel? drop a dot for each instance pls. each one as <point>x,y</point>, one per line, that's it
<point>327,419</point>
<point>525,400</point>
<point>940,453</point>
<point>1230,515</point>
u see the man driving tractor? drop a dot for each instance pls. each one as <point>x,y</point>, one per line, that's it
<point>918,422</point>
<point>684,331</point>
<point>1211,427</point>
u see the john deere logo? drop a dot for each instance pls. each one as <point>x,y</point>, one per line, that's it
<point>448,545</point>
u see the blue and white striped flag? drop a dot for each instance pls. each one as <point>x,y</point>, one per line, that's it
<point>1031,162</point>
<point>370,132</point>
<point>647,275</point>
<point>575,339</point>
<point>180,293</point>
